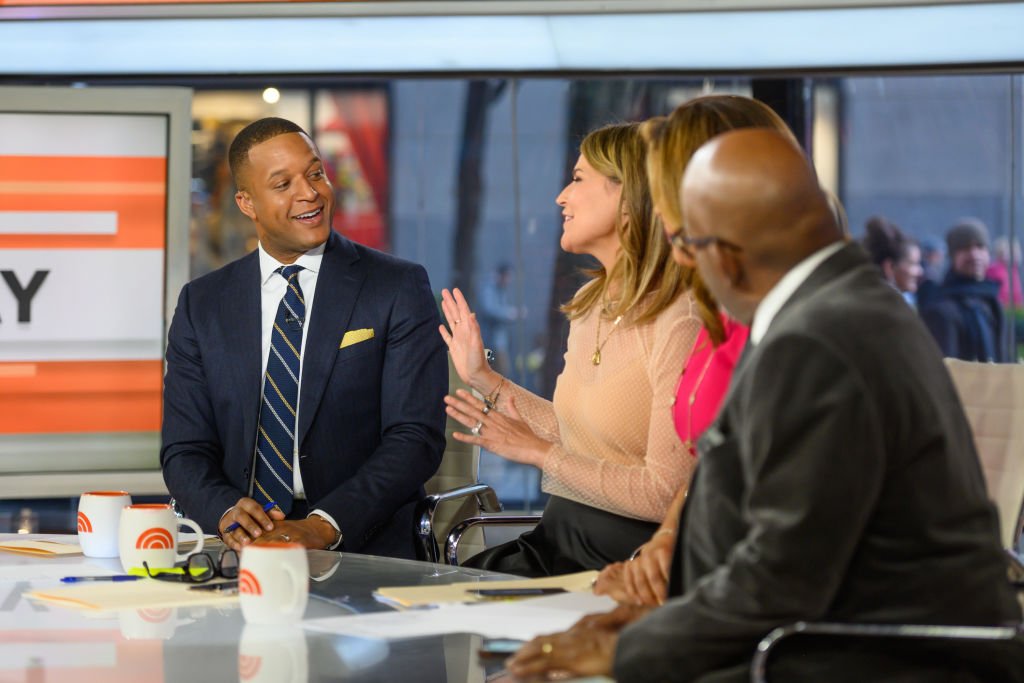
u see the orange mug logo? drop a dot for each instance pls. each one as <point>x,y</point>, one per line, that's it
<point>154,616</point>
<point>155,539</point>
<point>84,525</point>
<point>249,666</point>
<point>248,583</point>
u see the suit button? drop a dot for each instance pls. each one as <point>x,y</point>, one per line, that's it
<point>245,472</point>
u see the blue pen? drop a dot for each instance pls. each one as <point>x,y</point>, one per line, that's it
<point>79,579</point>
<point>235,525</point>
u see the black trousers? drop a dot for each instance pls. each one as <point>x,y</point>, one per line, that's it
<point>571,537</point>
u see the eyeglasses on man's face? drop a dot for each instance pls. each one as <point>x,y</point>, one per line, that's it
<point>199,568</point>
<point>691,245</point>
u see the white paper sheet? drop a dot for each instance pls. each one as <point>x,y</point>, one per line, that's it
<point>519,619</point>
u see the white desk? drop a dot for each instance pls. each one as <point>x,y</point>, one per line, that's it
<point>39,642</point>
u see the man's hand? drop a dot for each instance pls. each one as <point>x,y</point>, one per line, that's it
<point>314,533</point>
<point>252,521</point>
<point>643,580</point>
<point>586,649</point>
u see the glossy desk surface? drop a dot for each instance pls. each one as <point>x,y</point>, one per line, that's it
<point>207,644</point>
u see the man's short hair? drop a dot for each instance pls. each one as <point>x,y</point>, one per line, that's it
<point>967,233</point>
<point>255,133</point>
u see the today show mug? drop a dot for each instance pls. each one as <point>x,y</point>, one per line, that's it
<point>273,583</point>
<point>149,533</point>
<point>99,518</point>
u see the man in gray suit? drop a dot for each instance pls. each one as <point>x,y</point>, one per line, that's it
<point>839,482</point>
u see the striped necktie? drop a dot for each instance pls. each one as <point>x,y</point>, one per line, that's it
<point>275,442</point>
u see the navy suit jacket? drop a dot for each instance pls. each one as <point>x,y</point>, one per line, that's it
<point>371,414</point>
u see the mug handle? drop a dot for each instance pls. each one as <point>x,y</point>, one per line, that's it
<point>294,577</point>
<point>181,557</point>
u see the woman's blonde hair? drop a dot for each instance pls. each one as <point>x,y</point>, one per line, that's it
<point>671,141</point>
<point>644,274</point>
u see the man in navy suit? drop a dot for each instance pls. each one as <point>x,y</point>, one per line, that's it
<point>367,429</point>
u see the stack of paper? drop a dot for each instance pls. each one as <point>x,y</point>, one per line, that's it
<point>416,596</point>
<point>128,595</point>
<point>40,548</point>
<point>518,619</point>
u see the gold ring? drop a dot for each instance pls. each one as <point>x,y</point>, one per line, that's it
<point>547,647</point>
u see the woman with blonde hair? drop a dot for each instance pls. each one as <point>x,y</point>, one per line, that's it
<point>606,444</point>
<point>671,142</point>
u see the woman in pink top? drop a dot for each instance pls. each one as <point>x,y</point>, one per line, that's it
<point>708,369</point>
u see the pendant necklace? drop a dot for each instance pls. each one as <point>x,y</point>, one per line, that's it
<point>598,344</point>
<point>688,442</point>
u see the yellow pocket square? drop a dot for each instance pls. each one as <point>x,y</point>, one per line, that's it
<point>355,336</point>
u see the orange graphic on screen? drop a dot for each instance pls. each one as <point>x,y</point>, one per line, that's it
<point>155,539</point>
<point>248,583</point>
<point>84,525</point>
<point>76,396</point>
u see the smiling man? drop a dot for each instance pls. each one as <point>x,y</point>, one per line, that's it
<point>304,386</point>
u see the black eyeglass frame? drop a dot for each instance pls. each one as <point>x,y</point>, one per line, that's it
<point>694,244</point>
<point>214,565</point>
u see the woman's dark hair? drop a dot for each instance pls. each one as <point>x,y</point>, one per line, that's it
<point>885,241</point>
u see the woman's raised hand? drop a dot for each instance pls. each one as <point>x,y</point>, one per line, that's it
<point>462,335</point>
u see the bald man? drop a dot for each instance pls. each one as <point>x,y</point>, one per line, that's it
<point>839,482</point>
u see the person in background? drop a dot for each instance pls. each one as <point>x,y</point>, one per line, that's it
<point>304,381</point>
<point>896,254</point>
<point>933,265</point>
<point>703,381</point>
<point>497,313</point>
<point>606,444</point>
<point>1005,271</point>
<point>964,315</point>
<point>839,481</point>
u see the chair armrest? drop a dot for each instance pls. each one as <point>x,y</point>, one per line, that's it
<point>759,664</point>
<point>451,545</point>
<point>486,499</point>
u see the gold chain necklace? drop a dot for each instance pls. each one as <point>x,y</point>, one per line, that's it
<point>688,442</point>
<point>598,344</point>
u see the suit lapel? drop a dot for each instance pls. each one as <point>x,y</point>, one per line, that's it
<point>241,316</point>
<point>337,288</point>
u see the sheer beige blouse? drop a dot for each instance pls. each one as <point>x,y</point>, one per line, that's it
<point>615,444</point>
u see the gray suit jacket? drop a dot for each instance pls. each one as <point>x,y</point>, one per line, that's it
<point>839,483</point>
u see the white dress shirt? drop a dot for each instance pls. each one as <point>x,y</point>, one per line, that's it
<point>272,289</point>
<point>779,294</point>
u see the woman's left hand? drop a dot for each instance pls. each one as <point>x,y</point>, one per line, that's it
<point>506,435</point>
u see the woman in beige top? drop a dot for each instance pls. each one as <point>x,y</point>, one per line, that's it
<point>609,453</point>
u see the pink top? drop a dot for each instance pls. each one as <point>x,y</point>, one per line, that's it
<point>1000,272</point>
<point>704,381</point>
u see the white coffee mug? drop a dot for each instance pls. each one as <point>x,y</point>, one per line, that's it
<point>99,518</point>
<point>273,654</point>
<point>149,533</point>
<point>273,583</point>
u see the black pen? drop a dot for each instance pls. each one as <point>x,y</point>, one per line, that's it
<point>222,586</point>
<point>80,579</point>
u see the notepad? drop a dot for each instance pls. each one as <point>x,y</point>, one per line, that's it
<point>414,596</point>
<point>41,548</point>
<point>129,595</point>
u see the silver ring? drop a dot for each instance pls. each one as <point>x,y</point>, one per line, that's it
<point>475,431</point>
<point>486,408</point>
<point>285,537</point>
<point>457,322</point>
